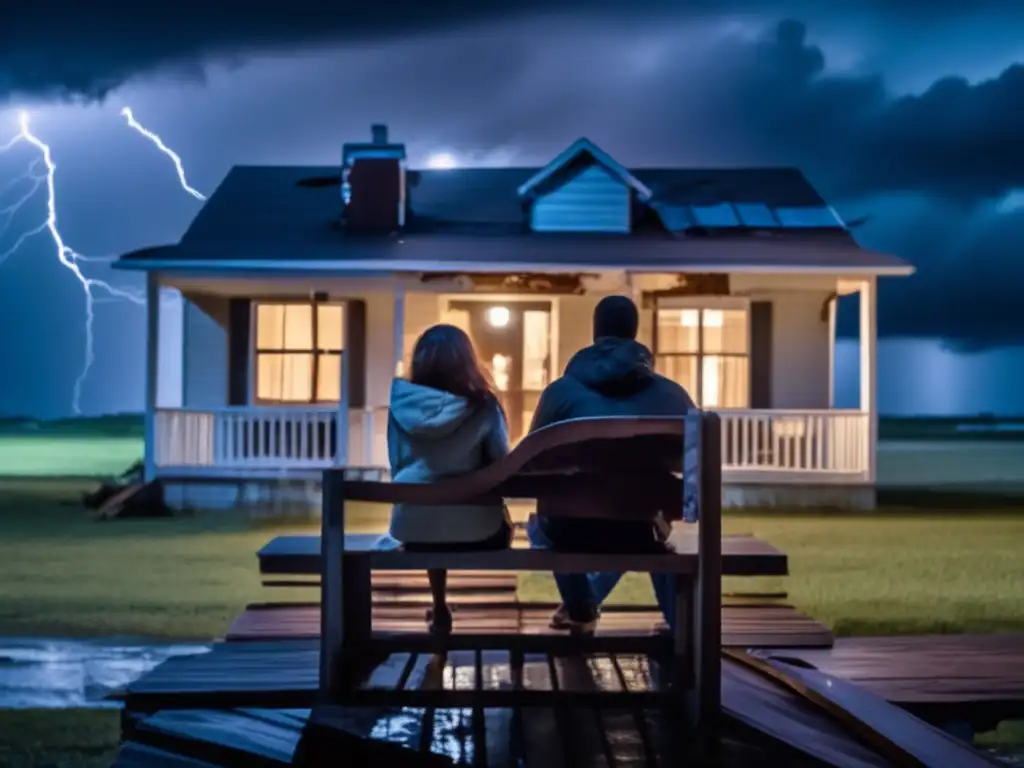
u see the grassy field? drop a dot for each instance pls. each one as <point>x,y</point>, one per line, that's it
<point>71,447</point>
<point>188,578</point>
<point>58,738</point>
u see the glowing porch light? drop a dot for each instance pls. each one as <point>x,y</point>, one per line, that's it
<point>498,317</point>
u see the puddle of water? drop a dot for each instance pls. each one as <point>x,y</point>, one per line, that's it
<point>44,673</point>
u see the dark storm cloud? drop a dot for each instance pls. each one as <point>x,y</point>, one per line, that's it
<point>537,84</point>
<point>957,139</point>
<point>85,49</point>
<point>967,289</point>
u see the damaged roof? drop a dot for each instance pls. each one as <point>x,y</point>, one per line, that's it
<point>473,218</point>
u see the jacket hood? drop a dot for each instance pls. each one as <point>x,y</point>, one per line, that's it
<point>613,367</point>
<point>427,413</point>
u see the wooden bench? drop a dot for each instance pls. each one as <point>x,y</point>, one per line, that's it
<point>625,468</point>
<point>298,555</point>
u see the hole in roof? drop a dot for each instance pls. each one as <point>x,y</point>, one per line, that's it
<point>319,181</point>
<point>818,216</point>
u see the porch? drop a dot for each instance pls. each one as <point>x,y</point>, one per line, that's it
<point>284,378</point>
<point>758,446</point>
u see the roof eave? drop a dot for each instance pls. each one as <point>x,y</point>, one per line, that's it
<point>389,265</point>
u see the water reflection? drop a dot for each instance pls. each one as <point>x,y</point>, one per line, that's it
<point>51,673</point>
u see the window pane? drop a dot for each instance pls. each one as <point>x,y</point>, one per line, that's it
<point>284,378</point>
<point>270,326</point>
<point>682,369</point>
<point>298,326</point>
<point>724,382</point>
<point>725,330</point>
<point>677,330</point>
<point>328,380</point>
<point>536,348</point>
<point>330,329</point>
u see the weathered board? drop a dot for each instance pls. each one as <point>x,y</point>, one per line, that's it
<point>745,623</point>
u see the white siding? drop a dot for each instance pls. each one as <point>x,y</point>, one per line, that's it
<point>592,201</point>
<point>380,343</point>
<point>800,350</point>
<point>575,326</point>
<point>422,310</point>
<point>205,343</point>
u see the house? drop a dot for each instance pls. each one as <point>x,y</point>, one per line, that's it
<point>305,289</point>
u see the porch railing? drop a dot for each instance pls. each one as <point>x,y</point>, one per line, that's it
<point>784,441</point>
<point>795,441</point>
<point>267,438</point>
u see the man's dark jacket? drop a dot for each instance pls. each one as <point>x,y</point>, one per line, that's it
<point>612,377</point>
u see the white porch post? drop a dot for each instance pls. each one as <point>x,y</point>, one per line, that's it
<point>342,422</point>
<point>832,306</point>
<point>399,331</point>
<point>152,372</point>
<point>868,372</point>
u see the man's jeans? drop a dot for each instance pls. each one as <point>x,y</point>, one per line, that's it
<point>582,593</point>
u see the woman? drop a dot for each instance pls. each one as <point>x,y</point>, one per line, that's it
<point>445,420</point>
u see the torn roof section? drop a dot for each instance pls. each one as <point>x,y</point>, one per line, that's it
<point>762,219</point>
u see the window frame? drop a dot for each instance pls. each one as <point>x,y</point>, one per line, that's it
<point>700,304</point>
<point>255,351</point>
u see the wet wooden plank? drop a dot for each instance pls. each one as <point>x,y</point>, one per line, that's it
<point>220,737</point>
<point>134,755</point>
<point>744,625</point>
<point>282,674</point>
<point>924,669</point>
<point>910,738</point>
<point>334,732</point>
<point>474,679</point>
<point>781,714</point>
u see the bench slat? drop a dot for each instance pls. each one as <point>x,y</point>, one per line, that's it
<point>742,555</point>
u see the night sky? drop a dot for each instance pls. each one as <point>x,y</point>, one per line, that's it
<point>908,115</point>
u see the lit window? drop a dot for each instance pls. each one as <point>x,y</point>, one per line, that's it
<point>706,351</point>
<point>298,352</point>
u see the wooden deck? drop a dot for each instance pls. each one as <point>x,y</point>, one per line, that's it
<point>745,623</point>
<point>553,735</point>
<point>977,679</point>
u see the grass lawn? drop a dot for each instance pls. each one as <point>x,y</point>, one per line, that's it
<point>58,738</point>
<point>59,455</point>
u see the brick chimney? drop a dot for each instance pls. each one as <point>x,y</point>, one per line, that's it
<point>373,188</point>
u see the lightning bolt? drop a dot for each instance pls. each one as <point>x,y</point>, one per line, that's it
<point>67,256</point>
<point>134,124</point>
<point>35,178</point>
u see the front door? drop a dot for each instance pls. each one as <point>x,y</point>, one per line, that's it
<point>513,342</point>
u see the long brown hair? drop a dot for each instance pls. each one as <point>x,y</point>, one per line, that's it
<point>444,359</point>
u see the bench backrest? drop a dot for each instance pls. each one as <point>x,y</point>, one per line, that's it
<point>620,466</point>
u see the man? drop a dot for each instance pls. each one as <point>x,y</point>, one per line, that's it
<point>612,377</point>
